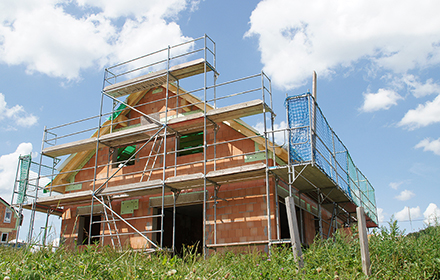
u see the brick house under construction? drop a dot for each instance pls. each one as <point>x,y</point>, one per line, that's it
<point>168,167</point>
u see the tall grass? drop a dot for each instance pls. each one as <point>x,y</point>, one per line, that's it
<point>393,256</point>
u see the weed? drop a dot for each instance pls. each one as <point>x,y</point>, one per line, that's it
<point>394,255</point>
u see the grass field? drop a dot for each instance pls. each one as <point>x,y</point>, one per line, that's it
<point>393,256</point>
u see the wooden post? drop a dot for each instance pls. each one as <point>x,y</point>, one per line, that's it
<point>294,232</point>
<point>363,240</point>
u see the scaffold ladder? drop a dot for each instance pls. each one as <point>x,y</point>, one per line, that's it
<point>155,148</point>
<point>111,222</point>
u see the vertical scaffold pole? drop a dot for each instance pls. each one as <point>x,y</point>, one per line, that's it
<point>165,151</point>
<point>269,230</point>
<point>34,205</point>
<point>95,169</point>
<point>204,150</point>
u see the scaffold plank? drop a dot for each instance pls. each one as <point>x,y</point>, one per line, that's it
<point>157,78</point>
<point>65,198</point>
<point>186,181</point>
<point>237,111</point>
<point>135,189</point>
<point>129,135</point>
<point>238,173</point>
<point>70,148</point>
<point>187,123</point>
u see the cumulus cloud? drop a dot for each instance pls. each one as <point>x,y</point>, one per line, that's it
<point>430,145</point>
<point>16,113</point>
<point>407,214</point>
<point>297,37</point>
<point>280,137</point>
<point>424,115</point>
<point>419,89</point>
<point>60,38</point>
<point>395,185</point>
<point>432,214</point>
<point>382,100</point>
<point>405,195</point>
<point>8,169</point>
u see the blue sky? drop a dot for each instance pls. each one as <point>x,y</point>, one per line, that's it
<point>377,62</point>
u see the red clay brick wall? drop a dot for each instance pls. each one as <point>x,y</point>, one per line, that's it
<point>9,228</point>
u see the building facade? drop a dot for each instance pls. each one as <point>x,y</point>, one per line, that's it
<point>8,222</point>
<point>169,168</point>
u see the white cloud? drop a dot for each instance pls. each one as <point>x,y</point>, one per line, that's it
<point>430,145</point>
<point>297,37</point>
<point>405,195</point>
<point>423,115</point>
<point>382,100</point>
<point>419,89</point>
<point>137,9</point>
<point>8,169</point>
<point>406,213</point>
<point>280,138</point>
<point>432,214</point>
<point>16,113</point>
<point>46,37</point>
<point>395,185</point>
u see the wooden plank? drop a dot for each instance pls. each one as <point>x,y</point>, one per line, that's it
<point>182,199</point>
<point>144,82</point>
<point>129,135</point>
<point>239,173</point>
<point>70,148</point>
<point>363,240</point>
<point>135,189</point>
<point>158,78</point>
<point>187,181</point>
<point>190,68</point>
<point>65,198</point>
<point>294,232</point>
<point>43,209</point>
<point>237,111</point>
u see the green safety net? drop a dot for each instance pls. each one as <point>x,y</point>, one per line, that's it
<point>316,143</point>
<point>25,164</point>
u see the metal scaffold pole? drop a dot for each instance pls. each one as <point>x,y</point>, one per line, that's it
<point>204,151</point>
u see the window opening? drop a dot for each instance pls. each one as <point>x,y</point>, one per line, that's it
<point>8,216</point>
<point>123,154</point>
<point>4,238</point>
<point>188,144</point>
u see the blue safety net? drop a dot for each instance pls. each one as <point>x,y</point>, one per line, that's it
<point>313,141</point>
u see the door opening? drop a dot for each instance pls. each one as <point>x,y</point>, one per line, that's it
<point>83,230</point>
<point>188,228</point>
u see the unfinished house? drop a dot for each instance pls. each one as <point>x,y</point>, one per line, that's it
<point>173,159</point>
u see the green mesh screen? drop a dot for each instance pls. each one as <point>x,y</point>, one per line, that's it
<point>25,164</point>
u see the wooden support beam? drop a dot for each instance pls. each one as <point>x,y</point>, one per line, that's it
<point>294,232</point>
<point>363,240</point>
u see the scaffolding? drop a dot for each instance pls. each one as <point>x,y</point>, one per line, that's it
<point>153,122</point>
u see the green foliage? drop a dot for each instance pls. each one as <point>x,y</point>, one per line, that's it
<point>394,255</point>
